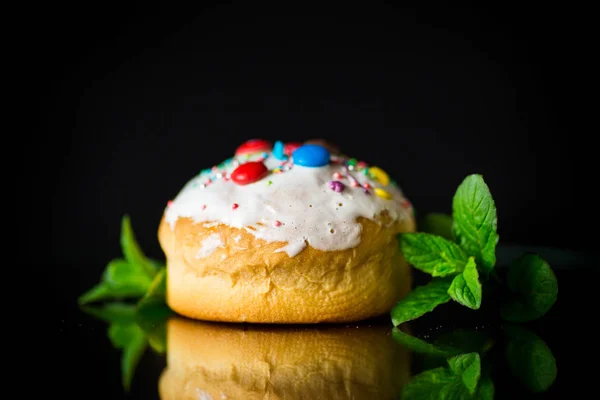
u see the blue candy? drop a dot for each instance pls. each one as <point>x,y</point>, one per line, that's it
<point>278,152</point>
<point>311,155</point>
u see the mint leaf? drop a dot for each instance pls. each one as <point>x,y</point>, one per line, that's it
<point>486,389</point>
<point>421,300</point>
<point>120,280</point>
<point>155,296</point>
<point>530,359</point>
<point>113,312</point>
<point>468,367</point>
<point>133,341</point>
<point>103,291</point>
<point>434,384</point>
<point>122,273</point>
<point>132,251</point>
<point>420,346</point>
<point>437,224</point>
<point>466,288</point>
<point>432,254</point>
<point>534,285</point>
<point>475,221</point>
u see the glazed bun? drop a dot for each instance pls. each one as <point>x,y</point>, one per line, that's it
<point>292,233</point>
<point>207,360</point>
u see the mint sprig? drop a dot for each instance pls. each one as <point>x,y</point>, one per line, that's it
<point>140,323</point>
<point>124,278</point>
<point>462,260</point>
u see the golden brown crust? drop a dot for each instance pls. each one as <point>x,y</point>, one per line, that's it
<point>266,362</point>
<point>246,280</point>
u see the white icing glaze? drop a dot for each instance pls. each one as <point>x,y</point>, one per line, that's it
<point>209,245</point>
<point>307,210</point>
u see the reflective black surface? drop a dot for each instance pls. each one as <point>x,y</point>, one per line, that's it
<point>366,360</point>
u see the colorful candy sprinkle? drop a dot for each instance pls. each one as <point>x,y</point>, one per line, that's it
<point>379,175</point>
<point>338,176</point>
<point>383,194</point>
<point>311,155</point>
<point>203,207</point>
<point>336,186</point>
<point>169,203</point>
<point>253,146</point>
<point>235,205</point>
<point>249,172</point>
<point>367,185</point>
<point>278,151</point>
<point>277,223</point>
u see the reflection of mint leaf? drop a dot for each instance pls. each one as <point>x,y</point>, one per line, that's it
<point>132,251</point>
<point>534,285</point>
<point>432,254</point>
<point>436,383</point>
<point>530,359</point>
<point>420,346</point>
<point>134,346</point>
<point>437,224</point>
<point>467,340</point>
<point>466,288</point>
<point>468,367</point>
<point>475,221</point>
<point>113,312</point>
<point>158,338</point>
<point>485,391</point>
<point>421,300</point>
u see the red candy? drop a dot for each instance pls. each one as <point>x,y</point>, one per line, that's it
<point>254,146</point>
<point>249,172</point>
<point>289,148</point>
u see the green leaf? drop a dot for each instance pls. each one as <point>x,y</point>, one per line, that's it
<point>420,346</point>
<point>132,339</point>
<point>421,300</point>
<point>155,296</point>
<point>466,288</point>
<point>485,391</point>
<point>132,251</point>
<point>475,221</point>
<point>530,359</point>
<point>535,287</point>
<point>434,384</point>
<point>113,312</point>
<point>432,254</point>
<point>468,367</point>
<point>119,273</point>
<point>438,224</point>
<point>104,291</point>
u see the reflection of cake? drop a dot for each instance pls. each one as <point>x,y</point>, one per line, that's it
<point>286,234</point>
<point>226,361</point>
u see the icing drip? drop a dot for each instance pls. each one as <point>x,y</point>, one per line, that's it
<point>293,204</point>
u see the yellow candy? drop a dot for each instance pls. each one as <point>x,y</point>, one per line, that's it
<point>383,194</point>
<point>379,175</point>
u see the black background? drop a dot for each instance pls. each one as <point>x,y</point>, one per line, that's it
<point>134,102</point>
<point>133,105</point>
